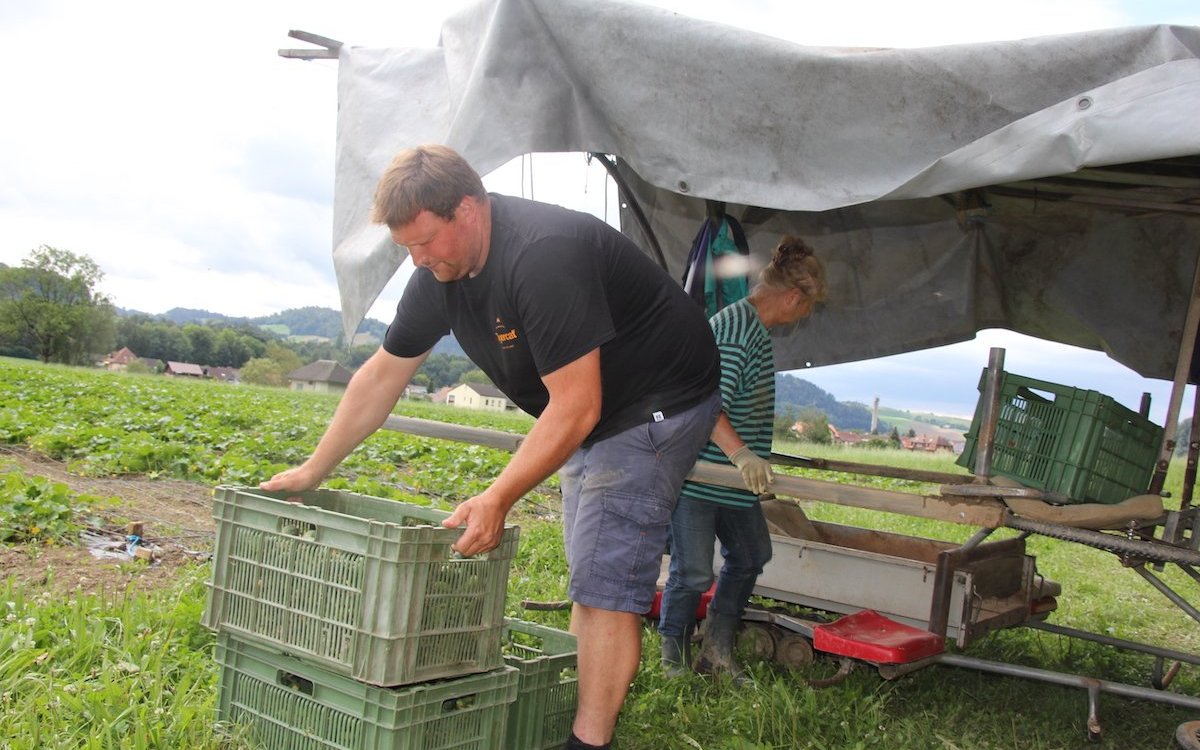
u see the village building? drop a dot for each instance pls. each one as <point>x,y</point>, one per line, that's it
<point>120,359</point>
<point>223,374</point>
<point>848,437</point>
<point>183,369</point>
<point>324,375</point>
<point>478,396</point>
<point>927,443</point>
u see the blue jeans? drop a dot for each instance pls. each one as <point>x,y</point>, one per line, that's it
<point>745,546</point>
<point>618,496</point>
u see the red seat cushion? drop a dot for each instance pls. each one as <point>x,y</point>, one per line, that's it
<point>870,636</point>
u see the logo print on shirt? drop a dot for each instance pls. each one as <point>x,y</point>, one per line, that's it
<point>505,335</point>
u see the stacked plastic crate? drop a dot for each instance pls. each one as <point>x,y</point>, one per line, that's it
<point>541,716</point>
<point>1081,446</point>
<point>347,621</point>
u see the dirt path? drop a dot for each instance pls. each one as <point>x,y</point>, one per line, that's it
<point>176,518</point>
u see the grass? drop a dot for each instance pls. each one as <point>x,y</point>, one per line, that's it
<point>127,669</point>
<point>107,670</point>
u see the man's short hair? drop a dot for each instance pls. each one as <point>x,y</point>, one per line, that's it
<point>432,178</point>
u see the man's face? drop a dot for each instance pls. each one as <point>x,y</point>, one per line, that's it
<point>450,249</point>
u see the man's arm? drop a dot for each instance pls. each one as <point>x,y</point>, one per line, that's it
<point>373,391</point>
<point>570,415</point>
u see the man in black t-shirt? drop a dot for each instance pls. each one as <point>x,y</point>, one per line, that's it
<point>582,330</point>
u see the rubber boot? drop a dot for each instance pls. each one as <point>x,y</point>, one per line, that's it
<point>676,655</point>
<point>716,655</point>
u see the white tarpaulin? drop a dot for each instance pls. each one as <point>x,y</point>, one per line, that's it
<point>1049,185</point>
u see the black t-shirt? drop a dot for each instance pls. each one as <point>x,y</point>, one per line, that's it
<point>557,284</point>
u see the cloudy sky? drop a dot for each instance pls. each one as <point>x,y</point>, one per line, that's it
<point>171,144</point>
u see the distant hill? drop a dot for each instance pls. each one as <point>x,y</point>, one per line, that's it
<point>449,345</point>
<point>924,423</point>
<point>300,321</point>
<point>794,394</point>
<point>318,321</point>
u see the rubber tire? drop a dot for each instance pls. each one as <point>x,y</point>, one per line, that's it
<point>758,639</point>
<point>794,651</point>
<point>1188,735</point>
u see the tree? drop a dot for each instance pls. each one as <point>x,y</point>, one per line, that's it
<point>203,343</point>
<point>815,426</point>
<point>475,376</point>
<point>232,349</point>
<point>51,303</point>
<point>445,369</point>
<point>287,359</point>
<point>263,371</point>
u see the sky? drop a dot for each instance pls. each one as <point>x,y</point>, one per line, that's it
<point>171,144</point>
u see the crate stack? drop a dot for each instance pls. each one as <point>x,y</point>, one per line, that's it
<point>347,621</point>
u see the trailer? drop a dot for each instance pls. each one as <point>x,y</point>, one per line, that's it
<point>894,602</point>
<point>910,595</point>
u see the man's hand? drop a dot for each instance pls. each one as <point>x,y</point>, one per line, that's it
<point>484,519</point>
<point>297,479</point>
<point>756,472</point>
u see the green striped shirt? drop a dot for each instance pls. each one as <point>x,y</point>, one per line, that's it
<point>747,395</point>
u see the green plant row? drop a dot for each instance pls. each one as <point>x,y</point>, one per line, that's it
<point>105,423</point>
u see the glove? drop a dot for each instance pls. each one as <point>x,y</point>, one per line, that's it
<point>756,472</point>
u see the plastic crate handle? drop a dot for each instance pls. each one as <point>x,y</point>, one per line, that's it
<point>1030,395</point>
<point>461,703</point>
<point>456,555</point>
<point>294,682</point>
<point>299,529</point>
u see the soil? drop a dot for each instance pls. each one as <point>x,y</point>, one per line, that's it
<point>176,523</point>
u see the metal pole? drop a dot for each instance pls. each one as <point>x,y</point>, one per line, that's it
<point>1189,474</point>
<point>1168,592</point>
<point>638,214</point>
<point>987,419</point>
<point>1070,680</point>
<point>1109,640</point>
<point>1183,366</point>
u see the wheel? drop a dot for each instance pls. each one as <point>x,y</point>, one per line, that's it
<point>758,639</point>
<point>1188,735</point>
<point>793,650</point>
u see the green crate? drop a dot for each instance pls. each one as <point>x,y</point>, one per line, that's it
<point>1079,444</point>
<point>280,701</point>
<point>542,714</point>
<point>364,586</point>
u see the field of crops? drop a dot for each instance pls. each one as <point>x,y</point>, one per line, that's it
<point>134,669</point>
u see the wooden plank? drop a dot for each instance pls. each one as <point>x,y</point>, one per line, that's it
<point>874,470</point>
<point>974,511</point>
<point>987,512</point>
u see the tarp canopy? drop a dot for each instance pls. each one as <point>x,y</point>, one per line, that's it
<point>1050,186</point>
